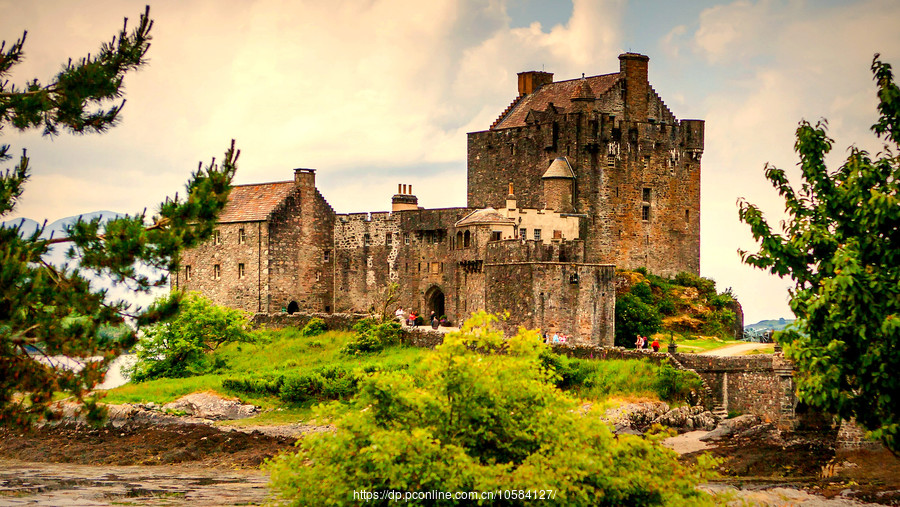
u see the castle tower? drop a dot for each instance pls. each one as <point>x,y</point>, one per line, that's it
<point>558,183</point>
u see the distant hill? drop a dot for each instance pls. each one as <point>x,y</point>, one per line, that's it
<point>57,253</point>
<point>775,324</point>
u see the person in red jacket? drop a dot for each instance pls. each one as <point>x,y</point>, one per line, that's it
<point>655,345</point>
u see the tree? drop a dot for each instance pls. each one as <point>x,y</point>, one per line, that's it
<point>481,414</point>
<point>48,311</point>
<point>841,246</point>
<point>182,346</point>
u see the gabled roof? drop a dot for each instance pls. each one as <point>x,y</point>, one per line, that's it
<point>559,93</point>
<point>486,216</point>
<point>252,203</point>
<point>560,168</point>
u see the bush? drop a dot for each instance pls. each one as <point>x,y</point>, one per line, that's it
<point>325,383</point>
<point>184,346</point>
<point>372,336</point>
<point>667,306</point>
<point>706,288</point>
<point>634,317</point>
<point>479,422</point>
<point>677,385</point>
<point>314,327</point>
<point>643,292</point>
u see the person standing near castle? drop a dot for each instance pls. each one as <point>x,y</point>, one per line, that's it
<point>399,314</point>
<point>655,345</point>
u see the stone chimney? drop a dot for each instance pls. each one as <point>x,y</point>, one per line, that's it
<point>404,200</point>
<point>511,198</point>
<point>633,67</point>
<point>305,177</point>
<point>532,80</point>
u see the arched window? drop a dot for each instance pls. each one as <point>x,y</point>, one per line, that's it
<point>466,239</point>
<point>459,239</point>
<point>293,308</point>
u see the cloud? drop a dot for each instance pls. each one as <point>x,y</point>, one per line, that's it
<point>345,87</point>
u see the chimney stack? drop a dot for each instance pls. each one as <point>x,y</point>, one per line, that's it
<point>532,80</point>
<point>305,177</point>
<point>403,201</point>
<point>633,67</point>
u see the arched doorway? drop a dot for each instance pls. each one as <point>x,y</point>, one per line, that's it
<point>434,302</point>
<point>293,308</point>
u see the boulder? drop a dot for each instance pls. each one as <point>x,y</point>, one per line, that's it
<point>209,405</point>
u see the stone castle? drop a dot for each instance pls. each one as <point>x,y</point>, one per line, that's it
<point>573,179</point>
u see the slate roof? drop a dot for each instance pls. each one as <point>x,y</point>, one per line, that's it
<point>560,168</point>
<point>252,203</point>
<point>560,94</point>
<point>483,217</point>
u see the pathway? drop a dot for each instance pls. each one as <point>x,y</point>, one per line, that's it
<point>736,350</point>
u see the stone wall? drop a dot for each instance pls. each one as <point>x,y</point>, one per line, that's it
<point>240,258</point>
<point>301,230</point>
<point>761,384</point>
<point>366,246</point>
<point>576,299</point>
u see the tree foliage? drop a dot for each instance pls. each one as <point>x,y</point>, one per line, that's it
<point>51,311</point>
<point>634,317</point>
<point>841,246</point>
<point>183,346</point>
<point>482,420</point>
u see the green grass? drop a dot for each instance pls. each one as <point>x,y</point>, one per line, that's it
<point>285,352</point>
<point>276,352</point>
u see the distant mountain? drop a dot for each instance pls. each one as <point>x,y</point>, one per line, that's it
<point>57,254</point>
<point>777,325</point>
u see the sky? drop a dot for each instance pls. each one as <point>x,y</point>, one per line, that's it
<point>376,93</point>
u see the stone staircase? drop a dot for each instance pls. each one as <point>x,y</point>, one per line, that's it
<point>706,397</point>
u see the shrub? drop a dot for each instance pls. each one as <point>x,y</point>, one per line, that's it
<point>372,336</point>
<point>634,317</point>
<point>314,327</point>
<point>643,292</point>
<point>677,385</point>
<point>184,346</point>
<point>706,288</point>
<point>325,383</point>
<point>479,422</point>
<point>666,306</point>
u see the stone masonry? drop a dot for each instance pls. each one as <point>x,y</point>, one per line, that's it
<point>573,179</point>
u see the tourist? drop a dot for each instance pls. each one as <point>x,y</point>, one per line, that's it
<point>399,314</point>
<point>639,343</point>
<point>563,338</point>
<point>655,345</point>
<point>434,321</point>
<point>555,337</point>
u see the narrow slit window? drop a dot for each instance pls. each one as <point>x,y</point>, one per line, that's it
<point>241,270</point>
<point>241,236</point>
<point>187,273</point>
<point>217,271</point>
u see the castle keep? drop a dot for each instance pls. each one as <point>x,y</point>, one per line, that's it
<point>573,179</point>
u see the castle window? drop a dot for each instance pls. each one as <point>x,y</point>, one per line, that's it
<point>406,238</point>
<point>495,235</point>
<point>557,234</point>
<point>646,162</point>
<point>466,239</point>
<point>217,272</point>
<point>537,234</point>
<point>241,270</point>
<point>326,255</point>
<point>366,239</point>
<point>241,236</point>
<point>435,268</point>
<point>611,161</point>
<point>217,238</point>
<point>523,233</point>
<point>420,268</point>
<point>187,273</point>
<point>645,195</point>
<point>318,276</point>
<point>645,212</point>
<point>389,238</point>
<point>687,215</point>
<point>459,241</point>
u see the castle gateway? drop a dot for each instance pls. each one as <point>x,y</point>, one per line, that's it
<point>573,179</point>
